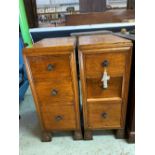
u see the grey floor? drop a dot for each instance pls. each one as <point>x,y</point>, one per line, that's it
<point>103,143</point>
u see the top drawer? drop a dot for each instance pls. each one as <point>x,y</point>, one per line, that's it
<point>94,64</point>
<point>49,67</point>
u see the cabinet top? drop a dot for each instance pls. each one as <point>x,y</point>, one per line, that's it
<point>61,42</point>
<point>104,40</point>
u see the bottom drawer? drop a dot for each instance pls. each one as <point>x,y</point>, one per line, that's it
<point>58,117</point>
<point>102,115</point>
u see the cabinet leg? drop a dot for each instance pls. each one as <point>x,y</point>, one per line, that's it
<point>46,137</point>
<point>88,135</point>
<point>131,137</point>
<point>77,135</point>
<point>120,134</point>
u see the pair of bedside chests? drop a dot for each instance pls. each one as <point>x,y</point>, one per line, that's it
<point>99,74</point>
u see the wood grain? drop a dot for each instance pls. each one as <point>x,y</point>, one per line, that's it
<point>51,114</point>
<point>93,50</point>
<point>102,41</point>
<point>96,111</point>
<point>94,62</point>
<point>55,89</point>
<point>95,88</point>
<point>55,42</point>
<point>39,67</point>
<point>62,89</point>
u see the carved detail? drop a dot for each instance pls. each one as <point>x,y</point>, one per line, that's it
<point>77,135</point>
<point>131,137</point>
<point>120,134</point>
<point>46,137</point>
<point>88,135</point>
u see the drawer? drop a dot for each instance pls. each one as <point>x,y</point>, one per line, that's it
<point>95,88</point>
<point>94,64</point>
<point>58,117</point>
<point>49,67</point>
<point>55,92</point>
<point>102,115</point>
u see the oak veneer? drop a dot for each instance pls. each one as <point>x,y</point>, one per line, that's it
<point>95,69</point>
<point>58,68</point>
<point>104,114</point>
<point>95,88</point>
<point>63,90</point>
<point>51,69</point>
<point>104,108</point>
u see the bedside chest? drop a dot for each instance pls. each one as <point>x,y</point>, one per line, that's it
<point>51,69</point>
<point>105,62</point>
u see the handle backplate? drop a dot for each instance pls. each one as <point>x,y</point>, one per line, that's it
<point>50,67</point>
<point>58,118</point>
<point>105,63</point>
<point>104,115</point>
<point>54,92</point>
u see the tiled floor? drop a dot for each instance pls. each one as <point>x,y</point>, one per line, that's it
<point>104,142</point>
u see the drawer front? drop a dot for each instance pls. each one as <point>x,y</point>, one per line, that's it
<point>102,115</point>
<point>58,117</point>
<point>49,67</point>
<point>55,92</point>
<point>95,88</point>
<point>94,64</point>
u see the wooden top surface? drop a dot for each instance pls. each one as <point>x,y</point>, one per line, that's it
<point>51,45</point>
<point>55,42</point>
<point>102,40</point>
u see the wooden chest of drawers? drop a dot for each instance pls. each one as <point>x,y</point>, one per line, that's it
<point>51,68</point>
<point>104,72</point>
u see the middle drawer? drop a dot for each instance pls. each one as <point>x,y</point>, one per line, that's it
<point>55,92</point>
<point>95,88</point>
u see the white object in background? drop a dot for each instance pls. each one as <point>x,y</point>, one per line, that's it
<point>105,79</point>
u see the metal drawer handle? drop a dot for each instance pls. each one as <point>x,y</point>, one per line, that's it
<point>104,115</point>
<point>50,67</point>
<point>58,118</point>
<point>54,92</point>
<point>105,63</point>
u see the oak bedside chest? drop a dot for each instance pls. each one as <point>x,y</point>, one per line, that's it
<point>105,62</point>
<point>51,69</point>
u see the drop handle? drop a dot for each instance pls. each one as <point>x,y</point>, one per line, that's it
<point>105,79</point>
<point>54,92</point>
<point>50,67</point>
<point>58,118</point>
<point>104,115</point>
